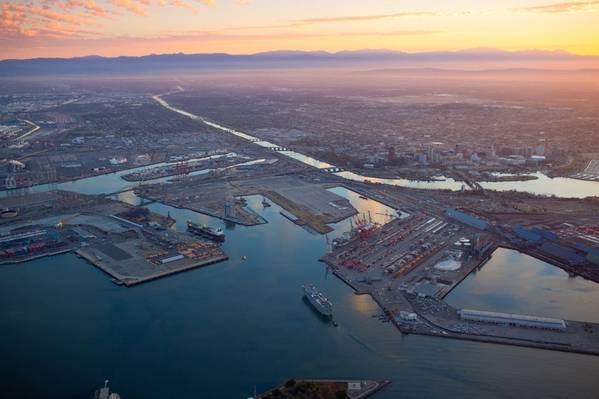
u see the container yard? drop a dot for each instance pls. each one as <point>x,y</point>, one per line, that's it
<point>136,253</point>
<point>185,167</point>
<point>137,260</point>
<point>31,244</point>
<point>410,265</point>
<point>131,244</point>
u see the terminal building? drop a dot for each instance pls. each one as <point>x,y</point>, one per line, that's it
<point>513,319</point>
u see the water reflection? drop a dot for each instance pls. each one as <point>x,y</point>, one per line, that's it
<point>561,187</point>
<point>542,185</point>
<point>307,160</point>
<point>243,318</point>
<point>518,283</point>
<point>367,208</point>
<point>113,182</point>
<point>364,304</point>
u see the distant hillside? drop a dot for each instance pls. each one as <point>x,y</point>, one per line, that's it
<point>470,59</point>
<point>509,72</point>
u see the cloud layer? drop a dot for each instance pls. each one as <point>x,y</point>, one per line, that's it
<point>90,26</point>
<point>67,18</point>
<point>572,6</point>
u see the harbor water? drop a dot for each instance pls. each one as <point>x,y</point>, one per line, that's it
<point>220,331</point>
<point>513,282</point>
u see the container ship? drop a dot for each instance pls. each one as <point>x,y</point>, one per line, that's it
<point>318,300</point>
<point>206,231</point>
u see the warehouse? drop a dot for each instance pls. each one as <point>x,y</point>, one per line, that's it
<point>528,235</point>
<point>467,219</point>
<point>513,319</point>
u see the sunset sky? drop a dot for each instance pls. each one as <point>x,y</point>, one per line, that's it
<point>66,28</point>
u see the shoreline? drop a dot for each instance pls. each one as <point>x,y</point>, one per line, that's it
<point>130,282</point>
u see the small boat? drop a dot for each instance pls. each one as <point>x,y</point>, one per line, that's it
<point>244,257</point>
<point>265,203</point>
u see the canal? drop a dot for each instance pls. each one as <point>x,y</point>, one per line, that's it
<point>543,185</point>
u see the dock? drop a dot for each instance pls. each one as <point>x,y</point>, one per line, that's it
<point>130,281</point>
<point>398,265</point>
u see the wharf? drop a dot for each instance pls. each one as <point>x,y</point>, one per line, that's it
<point>357,188</point>
<point>440,319</point>
<point>258,220</point>
<point>36,256</point>
<point>304,199</point>
<point>437,318</point>
<point>468,268</point>
<point>412,293</point>
<point>129,280</point>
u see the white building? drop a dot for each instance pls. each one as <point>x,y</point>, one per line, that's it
<point>513,319</point>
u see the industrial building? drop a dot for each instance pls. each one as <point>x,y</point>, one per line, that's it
<point>527,235</point>
<point>535,234</point>
<point>467,219</point>
<point>513,319</point>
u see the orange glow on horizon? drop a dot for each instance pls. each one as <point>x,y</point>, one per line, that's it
<point>54,28</point>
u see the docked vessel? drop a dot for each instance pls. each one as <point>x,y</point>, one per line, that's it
<point>10,213</point>
<point>206,231</point>
<point>318,300</point>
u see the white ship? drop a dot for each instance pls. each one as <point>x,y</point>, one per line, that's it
<point>318,300</point>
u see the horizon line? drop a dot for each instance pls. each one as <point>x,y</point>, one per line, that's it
<point>464,50</point>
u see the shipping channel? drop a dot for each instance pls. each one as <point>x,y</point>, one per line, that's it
<point>219,331</point>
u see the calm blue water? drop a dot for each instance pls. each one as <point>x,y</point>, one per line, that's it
<point>518,283</point>
<point>218,331</point>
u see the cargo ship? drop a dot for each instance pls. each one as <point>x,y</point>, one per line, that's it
<point>318,300</point>
<point>206,231</point>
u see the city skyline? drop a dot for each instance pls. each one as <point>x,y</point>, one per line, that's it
<point>71,28</point>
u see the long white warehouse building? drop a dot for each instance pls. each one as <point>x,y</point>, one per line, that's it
<point>513,319</point>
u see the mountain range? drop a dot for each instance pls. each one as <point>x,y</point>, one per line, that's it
<point>157,63</point>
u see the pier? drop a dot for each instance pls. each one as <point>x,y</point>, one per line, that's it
<point>400,273</point>
<point>130,281</point>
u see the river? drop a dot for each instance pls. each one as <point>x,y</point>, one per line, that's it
<point>543,185</point>
<point>112,182</point>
